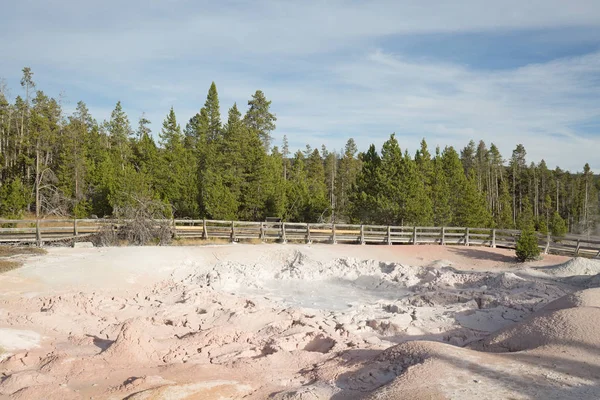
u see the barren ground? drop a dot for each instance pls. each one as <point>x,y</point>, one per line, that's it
<point>299,322</point>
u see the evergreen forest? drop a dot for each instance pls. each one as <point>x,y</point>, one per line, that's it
<point>227,167</point>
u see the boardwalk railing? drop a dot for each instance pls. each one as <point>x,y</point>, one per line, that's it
<point>24,231</point>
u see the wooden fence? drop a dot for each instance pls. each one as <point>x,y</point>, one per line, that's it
<point>51,230</point>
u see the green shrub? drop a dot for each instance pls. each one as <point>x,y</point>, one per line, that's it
<point>527,245</point>
<point>558,227</point>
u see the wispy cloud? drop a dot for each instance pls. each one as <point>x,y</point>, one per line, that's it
<point>331,68</point>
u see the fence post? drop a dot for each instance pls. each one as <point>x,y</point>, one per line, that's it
<point>389,235</point>
<point>415,235</point>
<point>362,234</point>
<point>333,235</point>
<point>493,238</point>
<point>283,238</point>
<point>38,233</point>
<point>443,235</point>
<point>204,231</point>
<point>308,238</point>
<point>75,227</point>
<point>174,229</point>
<point>547,243</point>
<point>232,231</point>
<point>466,236</point>
<point>577,249</point>
<point>262,231</point>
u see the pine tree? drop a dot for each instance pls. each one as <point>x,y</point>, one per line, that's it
<point>589,203</point>
<point>330,160</point>
<point>260,118</point>
<point>318,207</point>
<point>472,210</point>
<point>467,204</point>
<point>504,214</point>
<point>13,199</point>
<point>366,191</point>
<point>255,189</point>
<point>391,197</point>
<point>213,114</point>
<point>275,185</point>
<point>527,248</point>
<point>177,181</point>
<point>440,193</point>
<point>73,161</point>
<point>425,166</point>
<point>285,156</point>
<point>558,228</point>
<point>297,190</point>
<point>518,171</point>
<point>526,216</point>
<point>45,126</point>
<point>417,203</point>
<point>119,131</point>
<point>467,157</point>
<point>349,167</point>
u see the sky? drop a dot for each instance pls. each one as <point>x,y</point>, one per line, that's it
<point>506,72</point>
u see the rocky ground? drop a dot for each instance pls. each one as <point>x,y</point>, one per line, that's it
<point>299,322</point>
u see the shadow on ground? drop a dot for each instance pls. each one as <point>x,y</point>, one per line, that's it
<point>478,254</point>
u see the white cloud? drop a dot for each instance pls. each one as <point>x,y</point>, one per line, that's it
<point>318,61</point>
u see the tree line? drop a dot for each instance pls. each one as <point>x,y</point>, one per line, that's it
<point>228,168</point>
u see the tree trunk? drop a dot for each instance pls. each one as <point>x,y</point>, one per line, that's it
<point>38,235</point>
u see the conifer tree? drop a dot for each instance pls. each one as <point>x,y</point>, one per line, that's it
<point>13,199</point>
<point>558,228</point>
<point>255,189</point>
<point>391,197</point>
<point>425,166</point>
<point>467,157</point>
<point>119,131</point>
<point>366,191</point>
<point>330,164</point>
<point>275,185</point>
<point>472,210</point>
<point>260,118</point>
<point>417,208</point>
<point>177,175</point>
<point>504,215</point>
<point>297,190</point>
<point>440,193</point>
<point>74,160</point>
<point>527,248</point>
<point>349,166</point>
<point>213,114</point>
<point>467,204</point>
<point>285,154</point>
<point>317,208</point>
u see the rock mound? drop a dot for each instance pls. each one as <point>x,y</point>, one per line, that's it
<point>133,344</point>
<point>583,298</point>
<point>575,266</point>
<point>572,326</point>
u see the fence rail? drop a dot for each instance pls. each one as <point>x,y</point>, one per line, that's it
<point>49,230</point>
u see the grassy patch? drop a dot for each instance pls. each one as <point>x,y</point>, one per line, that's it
<point>9,251</point>
<point>12,251</point>
<point>8,265</point>
<point>200,242</point>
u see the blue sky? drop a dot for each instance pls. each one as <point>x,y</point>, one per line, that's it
<point>506,72</point>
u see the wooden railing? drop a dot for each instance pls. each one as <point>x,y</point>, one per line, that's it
<point>24,231</point>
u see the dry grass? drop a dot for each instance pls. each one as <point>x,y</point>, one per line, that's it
<point>200,242</point>
<point>10,251</point>
<point>8,265</point>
